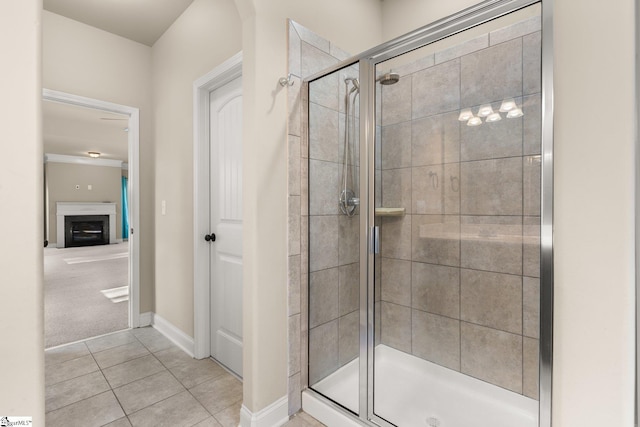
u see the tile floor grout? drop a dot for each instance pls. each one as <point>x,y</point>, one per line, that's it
<point>150,353</point>
<point>201,374</point>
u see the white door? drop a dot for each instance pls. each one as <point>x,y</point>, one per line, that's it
<point>226,224</point>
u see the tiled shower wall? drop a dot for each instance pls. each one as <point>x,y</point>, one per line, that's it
<point>460,271</point>
<point>333,272</point>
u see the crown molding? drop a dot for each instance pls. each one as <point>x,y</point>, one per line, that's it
<point>79,160</point>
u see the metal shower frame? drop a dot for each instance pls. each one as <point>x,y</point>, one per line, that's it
<point>367,61</point>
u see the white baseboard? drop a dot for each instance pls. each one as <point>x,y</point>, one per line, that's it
<point>273,415</point>
<point>175,335</point>
<point>146,319</point>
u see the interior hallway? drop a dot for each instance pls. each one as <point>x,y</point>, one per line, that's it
<point>140,378</point>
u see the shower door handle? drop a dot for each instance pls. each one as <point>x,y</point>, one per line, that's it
<point>374,240</point>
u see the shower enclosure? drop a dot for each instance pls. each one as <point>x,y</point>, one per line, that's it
<point>429,180</point>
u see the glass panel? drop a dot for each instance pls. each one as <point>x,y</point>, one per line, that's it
<point>458,204</point>
<point>334,233</point>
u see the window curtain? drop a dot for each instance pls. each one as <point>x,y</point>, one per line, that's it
<point>125,209</point>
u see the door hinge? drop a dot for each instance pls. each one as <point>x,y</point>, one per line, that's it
<point>131,231</point>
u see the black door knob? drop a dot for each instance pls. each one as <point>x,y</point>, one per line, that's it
<point>210,237</point>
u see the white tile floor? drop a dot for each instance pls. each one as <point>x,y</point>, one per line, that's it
<point>139,378</point>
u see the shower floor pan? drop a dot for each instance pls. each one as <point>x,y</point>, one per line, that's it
<point>411,392</point>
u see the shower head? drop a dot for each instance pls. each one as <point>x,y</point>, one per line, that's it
<point>389,78</point>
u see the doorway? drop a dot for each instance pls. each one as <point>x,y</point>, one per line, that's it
<point>218,215</point>
<point>91,284</point>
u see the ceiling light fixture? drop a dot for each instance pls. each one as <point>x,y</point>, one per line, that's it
<point>465,115</point>
<point>94,154</point>
<point>485,110</point>
<point>507,105</point>
<point>517,112</point>
<point>474,121</point>
<point>494,117</point>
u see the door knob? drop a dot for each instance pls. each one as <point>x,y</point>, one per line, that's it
<point>210,237</point>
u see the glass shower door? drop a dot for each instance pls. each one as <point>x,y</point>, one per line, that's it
<point>457,206</point>
<point>334,236</point>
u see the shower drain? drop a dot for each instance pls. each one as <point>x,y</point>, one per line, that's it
<point>433,422</point>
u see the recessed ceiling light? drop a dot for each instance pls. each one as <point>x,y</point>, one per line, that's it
<point>94,154</point>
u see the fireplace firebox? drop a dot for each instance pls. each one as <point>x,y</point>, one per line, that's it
<point>86,230</point>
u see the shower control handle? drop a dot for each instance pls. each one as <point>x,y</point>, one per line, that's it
<point>210,237</point>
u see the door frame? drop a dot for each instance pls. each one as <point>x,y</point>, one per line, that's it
<point>202,87</point>
<point>133,181</point>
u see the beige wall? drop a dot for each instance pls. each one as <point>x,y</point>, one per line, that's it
<point>21,263</point>
<point>401,16</point>
<point>62,178</point>
<point>204,36</point>
<point>594,213</point>
<point>265,171</point>
<point>83,60</point>
<point>594,203</point>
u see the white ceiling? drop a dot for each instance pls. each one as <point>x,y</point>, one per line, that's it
<point>141,20</point>
<point>74,131</point>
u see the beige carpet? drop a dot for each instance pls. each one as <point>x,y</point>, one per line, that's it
<point>85,292</point>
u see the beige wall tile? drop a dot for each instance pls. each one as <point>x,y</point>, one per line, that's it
<point>395,324</point>
<point>462,49</point>
<point>349,293</point>
<point>294,344</point>
<point>396,146</point>
<point>436,239</point>
<point>349,239</point>
<point>531,175</point>
<point>324,133</point>
<point>435,140</point>
<point>428,190</point>
<point>531,307</point>
<point>396,281</point>
<point>532,59</point>
<point>323,351</point>
<point>532,128</point>
<point>491,299</point>
<point>436,90</point>
<point>492,243</point>
<point>324,187</point>
<point>323,296</point>
<point>323,245</point>
<point>395,237</point>
<point>531,247</point>
<point>436,289</point>
<point>294,285</point>
<point>530,372</point>
<point>436,339</point>
<point>294,225</point>
<point>396,188</point>
<point>492,74</point>
<point>294,165</point>
<point>491,355</point>
<point>491,187</point>
<point>396,102</point>
<point>348,337</point>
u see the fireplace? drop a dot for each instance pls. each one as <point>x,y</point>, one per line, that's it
<point>86,230</point>
<point>85,224</point>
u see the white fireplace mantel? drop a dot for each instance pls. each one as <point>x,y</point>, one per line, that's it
<point>84,208</point>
